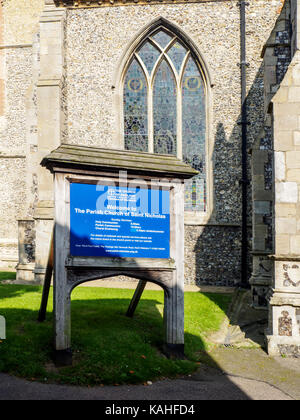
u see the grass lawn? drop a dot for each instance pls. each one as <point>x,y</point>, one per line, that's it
<point>7,275</point>
<point>108,347</point>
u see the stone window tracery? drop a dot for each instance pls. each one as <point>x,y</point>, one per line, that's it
<point>164,107</point>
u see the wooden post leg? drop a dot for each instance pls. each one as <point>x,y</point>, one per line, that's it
<point>61,289</point>
<point>62,322</point>
<point>174,321</point>
<point>47,283</point>
<point>136,298</point>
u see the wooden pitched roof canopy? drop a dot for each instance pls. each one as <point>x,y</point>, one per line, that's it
<point>96,159</point>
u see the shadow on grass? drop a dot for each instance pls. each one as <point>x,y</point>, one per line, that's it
<point>9,291</point>
<point>7,275</point>
<point>108,347</point>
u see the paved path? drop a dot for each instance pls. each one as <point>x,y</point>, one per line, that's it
<point>207,384</point>
<point>282,373</point>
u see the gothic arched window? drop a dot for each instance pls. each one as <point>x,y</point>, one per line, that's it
<point>165,106</point>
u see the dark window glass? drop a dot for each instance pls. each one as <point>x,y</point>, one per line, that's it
<point>162,38</point>
<point>193,134</point>
<point>164,111</point>
<point>135,109</point>
<point>149,55</point>
<point>163,97</point>
<point>177,54</point>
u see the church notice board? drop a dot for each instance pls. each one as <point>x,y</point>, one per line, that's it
<point>119,221</point>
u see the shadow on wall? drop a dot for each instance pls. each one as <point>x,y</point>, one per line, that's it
<point>217,249</point>
<point>217,254</point>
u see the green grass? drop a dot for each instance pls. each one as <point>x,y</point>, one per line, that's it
<point>108,347</point>
<point>7,275</point>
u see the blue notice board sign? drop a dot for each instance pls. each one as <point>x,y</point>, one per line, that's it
<point>113,221</point>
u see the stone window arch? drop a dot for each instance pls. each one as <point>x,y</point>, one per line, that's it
<point>164,105</point>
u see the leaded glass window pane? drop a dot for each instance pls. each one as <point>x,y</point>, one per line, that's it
<point>135,109</point>
<point>162,38</point>
<point>149,55</point>
<point>150,84</point>
<point>165,111</point>
<point>193,135</point>
<point>177,54</point>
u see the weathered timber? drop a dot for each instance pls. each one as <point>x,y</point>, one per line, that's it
<point>136,298</point>
<point>112,160</point>
<point>121,263</point>
<point>81,164</point>
<point>47,283</point>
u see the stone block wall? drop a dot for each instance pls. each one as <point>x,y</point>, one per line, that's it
<point>285,299</point>
<point>277,57</point>
<point>283,334</point>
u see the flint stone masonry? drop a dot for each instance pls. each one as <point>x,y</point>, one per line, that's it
<point>212,254</point>
<point>12,199</point>
<point>18,23</point>
<point>68,79</point>
<point>61,70</point>
<point>21,19</point>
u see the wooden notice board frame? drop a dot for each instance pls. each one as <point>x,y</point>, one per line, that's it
<point>78,164</point>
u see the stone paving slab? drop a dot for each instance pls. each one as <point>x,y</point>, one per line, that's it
<point>240,348</point>
<point>255,364</point>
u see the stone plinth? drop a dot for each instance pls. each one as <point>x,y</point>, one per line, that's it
<point>283,335</point>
